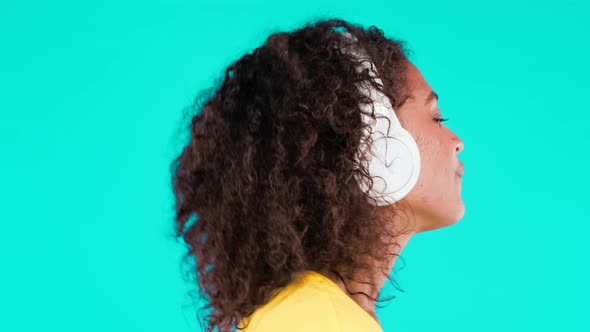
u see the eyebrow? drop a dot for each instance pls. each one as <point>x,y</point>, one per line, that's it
<point>431,97</point>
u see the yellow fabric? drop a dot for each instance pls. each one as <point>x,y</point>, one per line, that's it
<point>312,303</point>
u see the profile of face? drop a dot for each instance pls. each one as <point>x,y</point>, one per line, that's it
<point>435,200</point>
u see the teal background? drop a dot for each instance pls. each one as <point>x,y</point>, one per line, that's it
<point>91,100</point>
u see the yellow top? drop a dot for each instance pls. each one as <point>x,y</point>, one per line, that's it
<point>312,303</point>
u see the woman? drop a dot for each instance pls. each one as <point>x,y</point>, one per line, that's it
<point>276,192</point>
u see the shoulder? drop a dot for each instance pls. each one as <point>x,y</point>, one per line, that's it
<point>297,308</point>
<point>311,303</point>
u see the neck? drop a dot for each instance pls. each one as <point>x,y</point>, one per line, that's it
<point>359,287</point>
<point>404,232</point>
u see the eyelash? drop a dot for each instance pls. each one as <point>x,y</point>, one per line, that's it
<point>439,120</point>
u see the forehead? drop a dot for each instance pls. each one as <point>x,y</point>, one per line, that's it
<point>419,88</point>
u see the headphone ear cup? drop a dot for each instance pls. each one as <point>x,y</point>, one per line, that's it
<point>393,163</point>
<point>400,169</point>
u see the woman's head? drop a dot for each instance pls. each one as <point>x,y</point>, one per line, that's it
<point>266,186</point>
<point>435,201</point>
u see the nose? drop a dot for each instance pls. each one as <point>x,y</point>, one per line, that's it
<point>459,144</point>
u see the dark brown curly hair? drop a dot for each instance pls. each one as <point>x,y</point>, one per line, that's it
<point>266,185</point>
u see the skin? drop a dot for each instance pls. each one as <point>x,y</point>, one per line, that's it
<point>435,201</point>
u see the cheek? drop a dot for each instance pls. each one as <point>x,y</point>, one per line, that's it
<point>432,163</point>
<point>431,153</point>
<point>427,147</point>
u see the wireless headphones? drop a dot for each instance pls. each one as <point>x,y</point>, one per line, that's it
<point>394,160</point>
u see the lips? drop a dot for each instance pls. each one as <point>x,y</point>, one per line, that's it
<point>460,170</point>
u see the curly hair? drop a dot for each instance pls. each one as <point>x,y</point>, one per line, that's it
<point>266,185</point>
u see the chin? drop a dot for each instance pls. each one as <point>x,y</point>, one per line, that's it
<point>441,221</point>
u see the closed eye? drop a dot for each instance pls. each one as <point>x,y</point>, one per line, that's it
<point>439,120</point>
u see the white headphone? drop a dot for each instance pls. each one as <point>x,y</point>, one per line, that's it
<point>394,161</point>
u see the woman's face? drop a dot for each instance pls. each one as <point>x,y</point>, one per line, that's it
<point>435,201</point>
